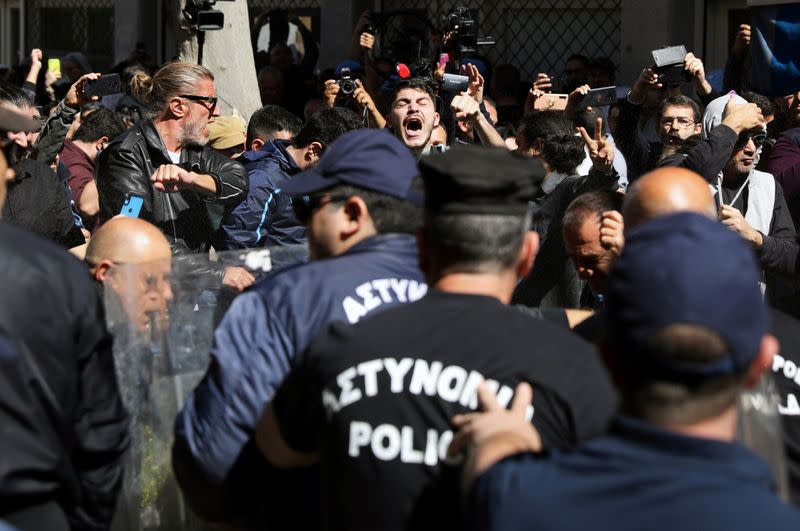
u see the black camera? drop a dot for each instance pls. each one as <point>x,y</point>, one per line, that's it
<point>669,65</point>
<point>203,17</point>
<point>347,85</point>
<point>464,29</point>
<point>423,68</point>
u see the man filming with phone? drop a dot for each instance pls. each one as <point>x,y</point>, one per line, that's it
<point>165,161</point>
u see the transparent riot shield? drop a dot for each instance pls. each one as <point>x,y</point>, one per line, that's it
<point>162,316</point>
<point>760,429</point>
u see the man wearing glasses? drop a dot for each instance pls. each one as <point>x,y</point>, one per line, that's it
<point>750,203</point>
<point>165,161</point>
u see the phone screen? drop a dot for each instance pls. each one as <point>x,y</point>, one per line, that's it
<point>54,66</point>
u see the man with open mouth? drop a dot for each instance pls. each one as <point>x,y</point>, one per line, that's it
<point>413,116</point>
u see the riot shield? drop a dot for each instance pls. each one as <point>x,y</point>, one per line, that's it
<point>760,429</point>
<point>162,316</point>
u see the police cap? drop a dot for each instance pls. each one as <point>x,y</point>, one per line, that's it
<point>480,180</point>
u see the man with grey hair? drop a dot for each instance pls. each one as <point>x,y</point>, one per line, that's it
<point>165,163</point>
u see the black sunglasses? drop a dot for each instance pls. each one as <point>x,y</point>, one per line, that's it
<point>305,205</point>
<point>758,139</point>
<point>211,99</point>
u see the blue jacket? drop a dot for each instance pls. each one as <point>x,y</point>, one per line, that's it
<point>265,218</point>
<point>637,477</point>
<point>262,338</point>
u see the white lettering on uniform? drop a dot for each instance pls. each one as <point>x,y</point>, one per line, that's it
<point>345,382</point>
<point>777,362</point>
<point>330,402</point>
<point>504,396</point>
<point>397,371</point>
<point>365,292</point>
<point>369,370</point>
<point>790,369</point>
<point>399,287</point>
<point>792,406</point>
<point>391,435</point>
<point>431,451</point>
<point>382,287</point>
<point>424,376</point>
<point>469,396</point>
<point>451,382</point>
<point>359,436</point>
<point>353,310</point>
<point>407,452</point>
<point>416,290</point>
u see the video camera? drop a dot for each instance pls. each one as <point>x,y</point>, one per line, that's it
<point>669,65</point>
<point>203,17</point>
<point>423,68</point>
<point>463,27</point>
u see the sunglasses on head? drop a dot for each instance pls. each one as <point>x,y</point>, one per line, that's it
<point>758,138</point>
<point>304,206</point>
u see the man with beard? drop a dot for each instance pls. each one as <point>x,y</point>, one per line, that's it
<point>165,162</point>
<point>752,204</point>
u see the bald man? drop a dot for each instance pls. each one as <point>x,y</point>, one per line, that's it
<point>132,258</point>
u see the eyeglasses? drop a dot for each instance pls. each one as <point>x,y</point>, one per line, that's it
<point>745,136</point>
<point>305,206</point>
<point>211,99</point>
<point>683,123</point>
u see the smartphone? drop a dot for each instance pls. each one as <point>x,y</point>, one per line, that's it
<point>600,97</point>
<point>54,66</point>
<point>132,206</point>
<point>551,102</point>
<point>103,86</point>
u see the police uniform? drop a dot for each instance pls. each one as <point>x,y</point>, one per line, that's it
<point>266,330</point>
<point>377,398</point>
<point>641,475</point>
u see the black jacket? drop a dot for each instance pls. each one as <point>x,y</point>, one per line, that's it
<point>64,427</point>
<point>39,201</point>
<point>126,165</point>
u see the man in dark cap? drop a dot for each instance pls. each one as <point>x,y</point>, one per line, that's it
<point>361,210</point>
<point>376,398</point>
<point>687,333</point>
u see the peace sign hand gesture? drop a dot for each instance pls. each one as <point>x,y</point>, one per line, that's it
<point>601,151</point>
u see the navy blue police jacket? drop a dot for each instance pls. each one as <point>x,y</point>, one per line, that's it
<point>265,218</point>
<point>263,336</point>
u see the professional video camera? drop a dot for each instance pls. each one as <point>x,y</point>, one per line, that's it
<point>346,82</point>
<point>203,17</point>
<point>669,65</point>
<point>423,68</point>
<point>463,30</point>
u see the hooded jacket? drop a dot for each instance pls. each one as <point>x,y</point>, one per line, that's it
<point>126,165</point>
<point>265,218</point>
<point>761,202</point>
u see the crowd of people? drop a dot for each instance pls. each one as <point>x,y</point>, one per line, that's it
<point>482,312</point>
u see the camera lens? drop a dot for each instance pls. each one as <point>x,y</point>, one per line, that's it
<point>347,87</point>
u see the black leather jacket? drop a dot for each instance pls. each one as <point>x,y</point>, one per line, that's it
<point>126,165</point>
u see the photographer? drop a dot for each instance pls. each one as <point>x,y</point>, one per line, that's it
<point>638,134</point>
<point>349,92</point>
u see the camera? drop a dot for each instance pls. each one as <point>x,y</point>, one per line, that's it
<point>669,65</point>
<point>464,29</point>
<point>450,82</point>
<point>347,84</point>
<point>203,17</point>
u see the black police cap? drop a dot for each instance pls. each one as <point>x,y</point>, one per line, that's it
<point>480,180</point>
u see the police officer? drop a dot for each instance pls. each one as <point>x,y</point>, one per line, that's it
<point>682,350</point>
<point>376,398</point>
<point>359,208</point>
